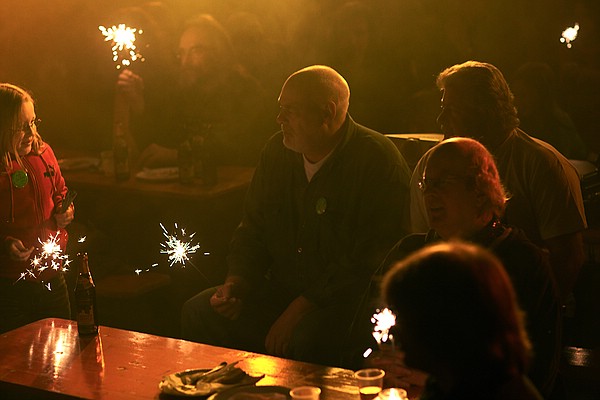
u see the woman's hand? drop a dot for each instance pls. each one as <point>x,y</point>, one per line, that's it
<point>64,219</point>
<point>17,250</point>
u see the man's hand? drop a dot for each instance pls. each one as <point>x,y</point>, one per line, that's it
<point>132,87</point>
<point>64,219</point>
<point>280,334</point>
<point>17,250</point>
<point>227,300</point>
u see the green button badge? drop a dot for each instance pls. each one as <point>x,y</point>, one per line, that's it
<point>19,179</point>
<point>321,206</point>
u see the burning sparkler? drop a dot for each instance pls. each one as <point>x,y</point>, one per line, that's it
<point>50,257</point>
<point>179,246</point>
<point>384,320</point>
<point>569,35</point>
<point>123,47</point>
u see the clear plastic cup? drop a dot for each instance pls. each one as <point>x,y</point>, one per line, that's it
<point>369,382</point>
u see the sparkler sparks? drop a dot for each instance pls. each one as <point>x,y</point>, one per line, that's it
<point>569,35</point>
<point>50,257</point>
<point>123,47</point>
<point>383,321</point>
<point>179,246</point>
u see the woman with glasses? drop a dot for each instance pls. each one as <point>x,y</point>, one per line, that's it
<point>465,200</point>
<point>32,191</point>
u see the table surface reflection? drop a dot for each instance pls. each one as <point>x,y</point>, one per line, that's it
<point>48,359</point>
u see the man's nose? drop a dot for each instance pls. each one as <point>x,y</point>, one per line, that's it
<point>280,117</point>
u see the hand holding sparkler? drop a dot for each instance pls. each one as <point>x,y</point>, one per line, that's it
<point>226,300</point>
<point>17,250</point>
<point>131,85</point>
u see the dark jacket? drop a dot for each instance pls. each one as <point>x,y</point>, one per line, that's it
<point>322,239</point>
<point>529,270</point>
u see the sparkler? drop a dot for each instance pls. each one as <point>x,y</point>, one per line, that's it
<point>569,35</point>
<point>179,246</point>
<point>50,257</point>
<point>384,320</point>
<point>123,47</point>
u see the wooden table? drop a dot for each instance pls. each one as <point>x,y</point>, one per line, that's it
<point>231,179</point>
<point>47,359</point>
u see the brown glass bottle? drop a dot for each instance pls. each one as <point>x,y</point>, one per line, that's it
<point>85,300</point>
<point>121,154</point>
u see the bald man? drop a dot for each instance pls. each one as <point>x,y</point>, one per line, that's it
<point>328,199</point>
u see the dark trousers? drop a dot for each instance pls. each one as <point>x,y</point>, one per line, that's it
<point>24,302</point>
<point>321,336</point>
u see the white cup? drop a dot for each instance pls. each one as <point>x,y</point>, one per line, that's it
<point>305,393</point>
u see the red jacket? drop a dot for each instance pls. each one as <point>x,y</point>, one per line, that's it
<point>27,213</point>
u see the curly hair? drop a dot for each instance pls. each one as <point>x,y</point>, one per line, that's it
<point>481,166</point>
<point>486,93</point>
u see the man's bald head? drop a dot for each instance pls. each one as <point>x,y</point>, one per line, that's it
<point>321,85</point>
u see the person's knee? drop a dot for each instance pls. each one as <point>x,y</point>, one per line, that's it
<point>194,312</point>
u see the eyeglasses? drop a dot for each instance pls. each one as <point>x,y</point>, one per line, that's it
<point>440,183</point>
<point>29,126</point>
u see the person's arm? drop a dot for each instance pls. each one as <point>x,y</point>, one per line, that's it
<point>16,250</point>
<point>281,331</point>
<point>228,300</point>
<point>566,257</point>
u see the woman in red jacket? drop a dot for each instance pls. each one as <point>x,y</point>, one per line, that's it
<point>32,190</point>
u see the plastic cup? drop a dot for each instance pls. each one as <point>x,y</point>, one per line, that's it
<point>393,394</point>
<point>369,382</point>
<point>305,393</point>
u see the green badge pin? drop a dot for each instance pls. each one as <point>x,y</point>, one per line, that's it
<point>19,179</point>
<point>321,206</point>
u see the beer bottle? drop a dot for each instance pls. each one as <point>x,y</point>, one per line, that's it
<point>185,158</point>
<point>121,154</point>
<point>85,300</point>
<point>209,162</point>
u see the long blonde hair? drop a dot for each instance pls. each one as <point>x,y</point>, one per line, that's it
<point>12,99</point>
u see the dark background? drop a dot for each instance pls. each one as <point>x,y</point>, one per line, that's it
<point>390,53</point>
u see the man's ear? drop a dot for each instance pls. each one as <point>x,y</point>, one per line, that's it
<point>329,112</point>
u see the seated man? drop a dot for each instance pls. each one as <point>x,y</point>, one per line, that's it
<point>465,200</point>
<point>327,200</point>
<point>458,320</point>
<point>210,98</point>
<point>545,192</point>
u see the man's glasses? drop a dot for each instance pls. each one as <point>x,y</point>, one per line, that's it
<point>440,183</point>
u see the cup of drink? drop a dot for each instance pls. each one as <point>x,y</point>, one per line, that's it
<point>305,393</point>
<point>370,382</point>
<point>393,394</point>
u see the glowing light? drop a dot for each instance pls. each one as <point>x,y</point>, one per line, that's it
<point>82,239</point>
<point>123,47</point>
<point>50,257</point>
<point>179,246</point>
<point>383,320</point>
<point>569,35</point>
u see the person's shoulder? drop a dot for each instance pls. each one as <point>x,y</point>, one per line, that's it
<point>374,145</point>
<point>521,149</point>
<point>518,246</point>
<point>531,148</point>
